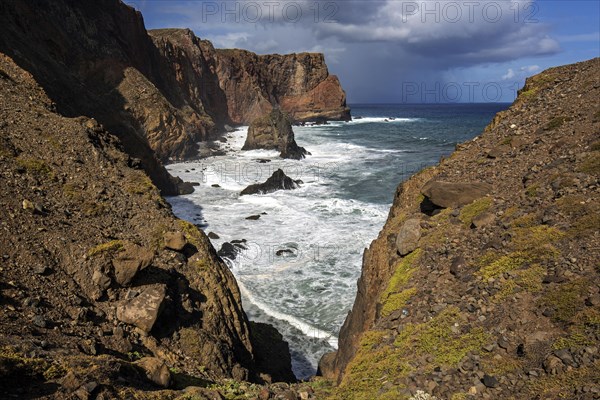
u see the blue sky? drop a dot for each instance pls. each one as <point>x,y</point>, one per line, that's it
<point>390,51</point>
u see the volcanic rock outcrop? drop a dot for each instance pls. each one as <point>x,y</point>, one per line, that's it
<point>273,131</point>
<point>278,181</point>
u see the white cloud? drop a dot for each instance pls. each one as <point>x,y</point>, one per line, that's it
<point>509,74</point>
<point>530,68</point>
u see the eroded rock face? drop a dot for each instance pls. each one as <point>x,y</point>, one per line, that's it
<point>273,131</point>
<point>278,181</point>
<point>299,83</point>
<point>95,202</point>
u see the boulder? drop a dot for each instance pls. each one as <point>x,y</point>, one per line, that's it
<point>498,151</point>
<point>458,265</point>
<point>143,311</point>
<point>453,195</point>
<point>130,261</point>
<point>156,370</point>
<point>326,367</point>
<point>278,181</point>
<point>273,131</point>
<point>482,220</point>
<point>175,241</point>
<point>408,237</point>
<point>228,250</point>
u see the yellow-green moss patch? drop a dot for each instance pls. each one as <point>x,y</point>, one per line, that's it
<point>396,301</point>
<point>373,366</point>
<point>402,273</point>
<point>139,183</point>
<point>566,300</point>
<point>110,247</point>
<point>441,337</point>
<point>36,167</point>
<point>565,385</point>
<point>528,279</point>
<point>504,264</point>
<point>591,165</point>
<point>191,232</point>
<point>532,190</point>
<point>556,122</point>
<point>474,209</point>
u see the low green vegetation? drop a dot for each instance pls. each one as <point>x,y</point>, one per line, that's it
<point>556,122</point>
<point>528,280</point>
<point>532,190</point>
<point>394,297</point>
<point>530,245</point>
<point>140,184</point>
<point>23,365</point>
<point>372,372</point>
<point>442,338</point>
<point>402,273</point>
<point>396,301</point>
<point>503,264</point>
<point>591,165</point>
<point>36,167</point>
<point>566,301</point>
<point>474,209</point>
<point>562,386</point>
<point>110,247</point>
<point>191,232</point>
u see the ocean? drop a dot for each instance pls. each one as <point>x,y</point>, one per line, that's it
<point>302,257</point>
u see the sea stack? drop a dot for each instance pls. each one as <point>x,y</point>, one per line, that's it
<point>273,131</point>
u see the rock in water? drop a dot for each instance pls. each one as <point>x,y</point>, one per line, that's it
<point>278,181</point>
<point>273,131</point>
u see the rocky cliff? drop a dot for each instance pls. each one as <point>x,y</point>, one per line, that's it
<point>160,94</point>
<point>105,294</point>
<point>237,86</point>
<point>483,282</point>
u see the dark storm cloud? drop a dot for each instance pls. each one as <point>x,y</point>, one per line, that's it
<point>377,46</point>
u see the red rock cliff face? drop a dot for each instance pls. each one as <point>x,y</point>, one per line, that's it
<point>299,83</point>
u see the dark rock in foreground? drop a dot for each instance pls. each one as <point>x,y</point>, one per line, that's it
<point>278,181</point>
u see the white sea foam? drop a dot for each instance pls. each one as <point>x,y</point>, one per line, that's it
<point>312,290</point>
<point>305,328</point>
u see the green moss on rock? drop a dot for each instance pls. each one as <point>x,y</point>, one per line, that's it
<point>474,209</point>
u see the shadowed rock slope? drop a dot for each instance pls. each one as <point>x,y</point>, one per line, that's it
<point>104,293</point>
<point>496,294</point>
